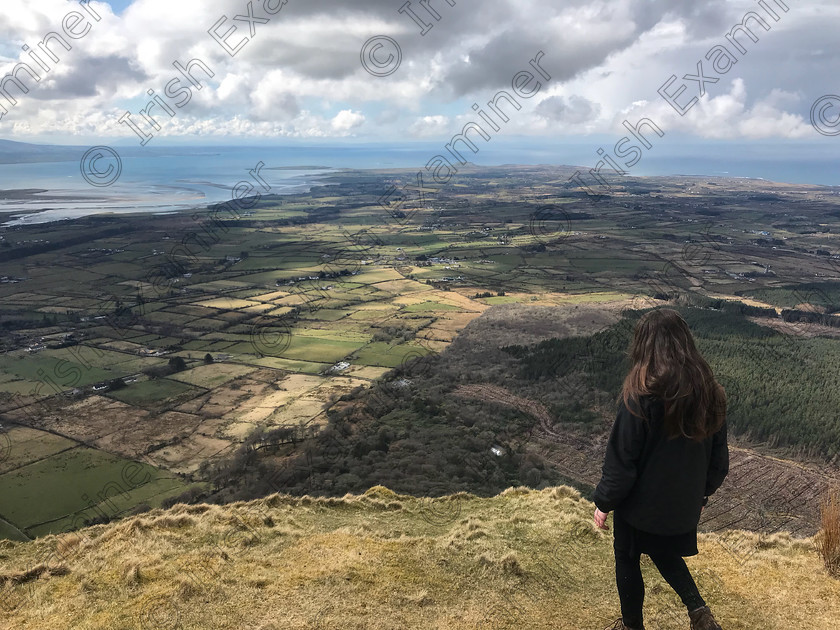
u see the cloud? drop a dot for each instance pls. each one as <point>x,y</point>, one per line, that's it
<point>295,71</point>
<point>727,116</point>
<point>346,120</point>
<point>572,110</point>
<point>429,126</point>
<point>90,76</point>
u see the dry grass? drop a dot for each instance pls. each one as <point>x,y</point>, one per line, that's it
<point>36,572</point>
<point>522,559</point>
<point>828,539</point>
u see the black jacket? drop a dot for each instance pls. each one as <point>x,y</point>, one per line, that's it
<point>657,484</point>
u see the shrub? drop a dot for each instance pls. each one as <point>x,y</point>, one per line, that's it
<point>177,364</point>
<point>828,538</point>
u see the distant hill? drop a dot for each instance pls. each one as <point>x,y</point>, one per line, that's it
<point>521,559</point>
<point>12,152</point>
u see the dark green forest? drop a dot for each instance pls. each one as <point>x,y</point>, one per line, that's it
<point>781,390</point>
<point>822,294</point>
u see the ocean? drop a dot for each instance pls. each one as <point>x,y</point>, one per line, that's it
<point>179,178</point>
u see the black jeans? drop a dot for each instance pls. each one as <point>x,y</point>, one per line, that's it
<point>631,586</point>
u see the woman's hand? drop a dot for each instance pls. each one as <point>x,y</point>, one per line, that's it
<point>601,519</point>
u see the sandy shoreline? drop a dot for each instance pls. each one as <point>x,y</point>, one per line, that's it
<point>28,206</point>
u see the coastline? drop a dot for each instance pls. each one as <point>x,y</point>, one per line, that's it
<point>31,206</point>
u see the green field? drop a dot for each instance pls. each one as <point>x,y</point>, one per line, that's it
<point>318,349</point>
<point>56,365</point>
<point>10,532</point>
<point>427,307</point>
<point>212,375</point>
<point>47,496</point>
<point>25,445</point>
<point>387,355</point>
<point>153,392</point>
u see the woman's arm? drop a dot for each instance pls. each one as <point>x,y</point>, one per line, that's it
<point>719,463</point>
<point>620,469</point>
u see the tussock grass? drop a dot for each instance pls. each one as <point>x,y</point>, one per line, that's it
<point>828,538</point>
<point>380,560</point>
<point>40,570</point>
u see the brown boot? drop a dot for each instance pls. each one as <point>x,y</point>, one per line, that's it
<point>702,619</point>
<point>619,625</point>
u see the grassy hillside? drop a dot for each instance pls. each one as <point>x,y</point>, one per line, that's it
<point>520,559</point>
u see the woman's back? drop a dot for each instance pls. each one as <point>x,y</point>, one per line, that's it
<point>658,483</point>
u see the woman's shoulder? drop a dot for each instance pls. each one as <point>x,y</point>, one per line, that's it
<point>648,406</point>
<point>645,401</point>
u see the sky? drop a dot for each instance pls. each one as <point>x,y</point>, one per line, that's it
<point>363,72</point>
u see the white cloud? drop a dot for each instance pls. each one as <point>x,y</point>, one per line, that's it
<point>607,58</point>
<point>726,116</point>
<point>429,126</point>
<point>346,120</point>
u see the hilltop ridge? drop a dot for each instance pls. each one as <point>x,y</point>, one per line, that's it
<point>521,559</point>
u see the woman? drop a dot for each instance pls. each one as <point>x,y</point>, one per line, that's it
<point>666,454</point>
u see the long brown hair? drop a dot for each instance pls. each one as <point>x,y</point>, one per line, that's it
<point>666,364</point>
